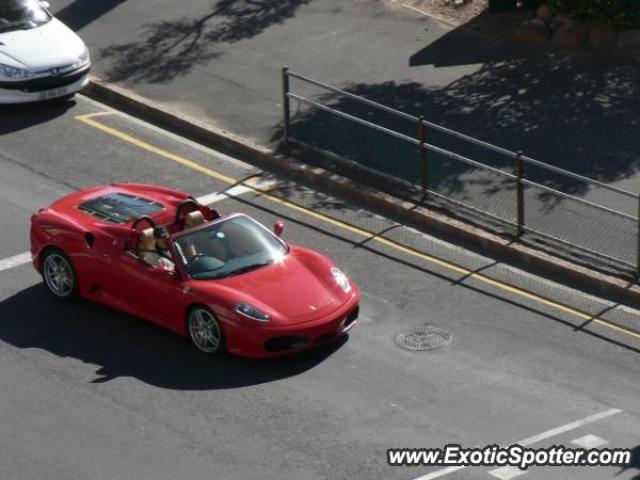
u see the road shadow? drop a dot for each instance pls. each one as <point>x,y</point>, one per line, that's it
<point>80,13</point>
<point>480,40</point>
<point>172,48</point>
<point>465,47</point>
<point>560,109</point>
<point>14,118</point>
<point>634,463</point>
<point>576,110</point>
<point>123,346</point>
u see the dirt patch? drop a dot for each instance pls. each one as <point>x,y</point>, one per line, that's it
<point>473,14</point>
<point>446,11</point>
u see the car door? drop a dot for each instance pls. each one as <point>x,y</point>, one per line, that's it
<point>151,292</point>
<point>100,278</point>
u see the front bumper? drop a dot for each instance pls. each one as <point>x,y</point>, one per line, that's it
<point>273,341</point>
<point>41,89</point>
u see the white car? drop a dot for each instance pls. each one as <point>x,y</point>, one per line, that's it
<point>40,57</point>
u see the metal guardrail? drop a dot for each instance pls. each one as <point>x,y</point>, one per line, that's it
<point>520,161</point>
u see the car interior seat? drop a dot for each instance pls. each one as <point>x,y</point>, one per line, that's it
<point>146,242</point>
<point>193,219</point>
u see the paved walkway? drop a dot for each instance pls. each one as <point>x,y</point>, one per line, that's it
<point>220,61</point>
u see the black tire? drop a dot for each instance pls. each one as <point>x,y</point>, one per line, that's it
<point>59,275</point>
<point>204,331</point>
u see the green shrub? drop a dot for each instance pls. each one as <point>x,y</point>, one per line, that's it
<point>621,14</point>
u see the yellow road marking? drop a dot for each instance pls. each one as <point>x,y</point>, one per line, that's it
<point>88,119</point>
<point>103,113</point>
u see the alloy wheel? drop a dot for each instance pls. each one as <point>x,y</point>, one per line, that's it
<point>204,331</point>
<point>58,275</point>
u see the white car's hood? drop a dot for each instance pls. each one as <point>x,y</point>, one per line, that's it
<point>50,45</point>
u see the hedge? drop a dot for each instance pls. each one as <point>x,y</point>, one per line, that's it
<point>622,14</point>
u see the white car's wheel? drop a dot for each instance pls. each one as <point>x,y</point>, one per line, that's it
<point>204,331</point>
<point>59,275</point>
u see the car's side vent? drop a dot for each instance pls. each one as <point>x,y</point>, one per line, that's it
<point>88,237</point>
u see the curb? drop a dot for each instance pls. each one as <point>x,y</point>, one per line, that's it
<point>617,289</point>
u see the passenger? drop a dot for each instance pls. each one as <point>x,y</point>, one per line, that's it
<point>162,235</point>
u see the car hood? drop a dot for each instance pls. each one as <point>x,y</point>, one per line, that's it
<point>291,289</point>
<point>50,45</point>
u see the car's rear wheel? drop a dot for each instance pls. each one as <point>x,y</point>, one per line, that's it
<point>59,275</point>
<point>204,331</point>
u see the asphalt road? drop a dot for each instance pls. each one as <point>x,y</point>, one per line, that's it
<point>87,392</point>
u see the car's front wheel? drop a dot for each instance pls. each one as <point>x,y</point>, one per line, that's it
<point>204,331</point>
<point>59,275</point>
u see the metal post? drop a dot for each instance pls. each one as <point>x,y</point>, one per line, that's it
<point>520,193</point>
<point>638,253</point>
<point>285,105</point>
<point>424,161</point>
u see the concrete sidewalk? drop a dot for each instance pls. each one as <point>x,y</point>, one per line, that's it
<point>220,61</point>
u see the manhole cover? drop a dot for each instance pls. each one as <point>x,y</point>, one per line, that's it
<point>424,338</point>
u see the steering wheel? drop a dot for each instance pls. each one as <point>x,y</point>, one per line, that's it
<point>193,260</point>
<point>201,263</point>
<point>187,202</point>
<point>143,218</point>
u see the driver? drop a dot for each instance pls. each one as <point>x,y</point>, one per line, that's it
<point>162,235</point>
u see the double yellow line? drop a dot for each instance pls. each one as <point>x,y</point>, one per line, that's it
<point>89,119</point>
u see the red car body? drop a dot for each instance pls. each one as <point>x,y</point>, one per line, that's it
<point>305,305</point>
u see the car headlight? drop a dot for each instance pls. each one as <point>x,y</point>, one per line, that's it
<point>341,279</point>
<point>251,312</point>
<point>84,56</point>
<point>83,59</point>
<point>14,73</point>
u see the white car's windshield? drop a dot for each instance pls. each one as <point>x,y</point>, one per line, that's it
<point>21,15</point>
<point>228,247</point>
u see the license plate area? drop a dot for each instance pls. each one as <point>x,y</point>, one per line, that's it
<point>56,92</point>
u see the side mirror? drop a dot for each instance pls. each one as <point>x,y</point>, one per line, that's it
<point>45,5</point>
<point>278,228</point>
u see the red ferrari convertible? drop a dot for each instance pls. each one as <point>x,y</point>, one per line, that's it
<point>224,281</point>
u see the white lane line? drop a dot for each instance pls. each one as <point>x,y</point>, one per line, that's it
<point>507,473</point>
<point>15,261</point>
<point>236,191</point>
<point>568,427</point>
<point>440,473</point>
<point>590,441</point>
<point>536,438</point>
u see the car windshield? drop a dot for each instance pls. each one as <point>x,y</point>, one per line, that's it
<point>228,247</point>
<point>21,15</point>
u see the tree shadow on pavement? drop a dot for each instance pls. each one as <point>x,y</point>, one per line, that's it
<point>123,346</point>
<point>576,110</point>
<point>14,118</point>
<point>174,47</point>
<point>566,110</point>
<point>315,200</point>
<point>472,105</point>
<point>634,463</point>
<point>80,13</point>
